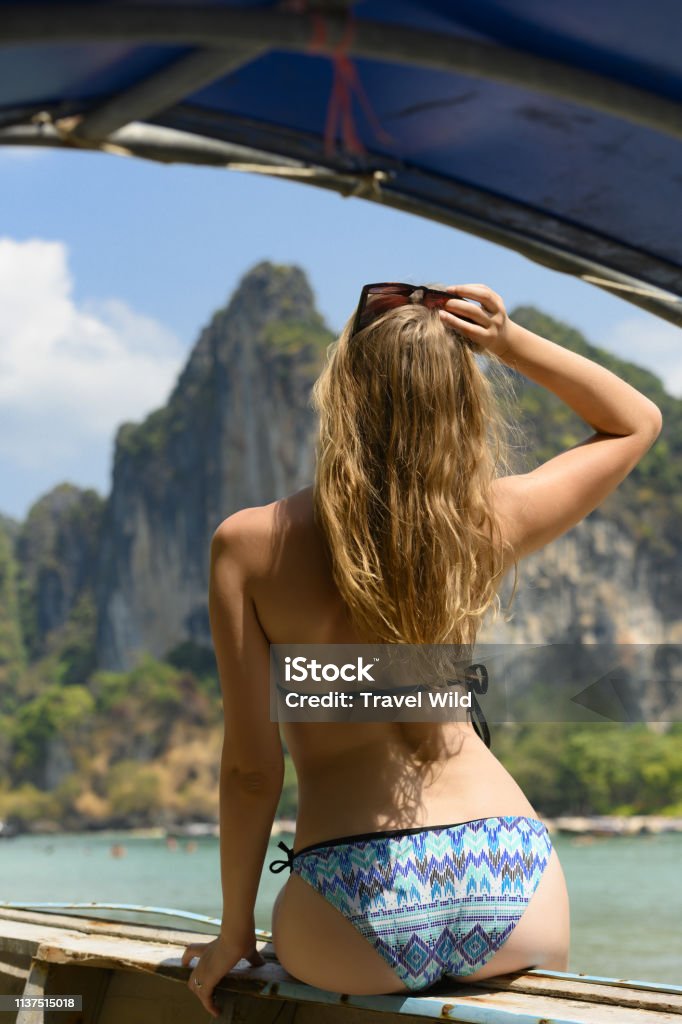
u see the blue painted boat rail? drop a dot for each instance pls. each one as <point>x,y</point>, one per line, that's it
<point>597,979</point>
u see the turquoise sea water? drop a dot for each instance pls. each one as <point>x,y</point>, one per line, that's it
<point>626,893</point>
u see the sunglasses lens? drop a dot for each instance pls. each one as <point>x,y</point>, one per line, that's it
<point>379,299</point>
<point>390,289</point>
<point>379,303</point>
<point>435,300</point>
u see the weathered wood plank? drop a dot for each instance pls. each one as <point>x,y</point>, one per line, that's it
<point>59,945</point>
<point>596,979</point>
<point>13,972</point>
<point>84,923</point>
<point>593,990</point>
<point>35,986</point>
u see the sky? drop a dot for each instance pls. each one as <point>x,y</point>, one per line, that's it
<point>110,267</point>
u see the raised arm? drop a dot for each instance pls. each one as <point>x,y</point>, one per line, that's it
<point>252,763</point>
<point>536,507</point>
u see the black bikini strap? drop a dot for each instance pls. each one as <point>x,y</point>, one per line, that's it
<point>279,865</point>
<point>478,719</point>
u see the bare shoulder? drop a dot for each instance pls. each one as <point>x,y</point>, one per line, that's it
<point>252,536</point>
<point>243,538</point>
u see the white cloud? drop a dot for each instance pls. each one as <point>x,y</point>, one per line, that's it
<point>652,343</point>
<point>70,373</point>
<point>23,154</point>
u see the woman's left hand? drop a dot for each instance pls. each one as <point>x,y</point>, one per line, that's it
<point>216,959</point>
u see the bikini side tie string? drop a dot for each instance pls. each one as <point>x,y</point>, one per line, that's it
<point>279,865</point>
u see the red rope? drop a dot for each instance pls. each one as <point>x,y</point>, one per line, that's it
<point>345,82</point>
<point>340,107</point>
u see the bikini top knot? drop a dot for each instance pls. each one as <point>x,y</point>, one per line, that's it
<point>478,684</point>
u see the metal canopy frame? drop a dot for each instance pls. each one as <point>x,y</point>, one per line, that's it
<point>228,38</point>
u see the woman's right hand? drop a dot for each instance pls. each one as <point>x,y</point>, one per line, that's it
<point>491,325</point>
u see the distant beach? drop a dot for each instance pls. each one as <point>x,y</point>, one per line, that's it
<point>595,825</point>
<point>614,825</point>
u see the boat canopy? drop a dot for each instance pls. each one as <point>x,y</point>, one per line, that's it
<point>552,128</point>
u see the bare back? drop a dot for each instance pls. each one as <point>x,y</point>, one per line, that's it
<point>361,778</point>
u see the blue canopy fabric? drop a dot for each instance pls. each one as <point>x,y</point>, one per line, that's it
<point>552,128</point>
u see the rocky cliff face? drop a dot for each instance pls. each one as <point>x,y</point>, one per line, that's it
<point>56,549</point>
<point>593,585</point>
<point>237,432</point>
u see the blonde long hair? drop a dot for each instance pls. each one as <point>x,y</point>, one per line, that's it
<point>411,435</point>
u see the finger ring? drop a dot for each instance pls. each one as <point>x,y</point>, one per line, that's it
<point>197,983</point>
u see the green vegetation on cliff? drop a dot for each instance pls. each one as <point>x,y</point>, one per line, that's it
<point>55,549</point>
<point>129,748</point>
<point>12,653</point>
<point>595,768</point>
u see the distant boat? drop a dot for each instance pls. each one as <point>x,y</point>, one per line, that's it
<point>125,972</point>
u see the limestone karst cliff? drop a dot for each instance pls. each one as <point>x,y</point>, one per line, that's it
<point>237,431</point>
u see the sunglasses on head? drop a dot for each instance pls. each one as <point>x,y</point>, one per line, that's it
<point>377,299</point>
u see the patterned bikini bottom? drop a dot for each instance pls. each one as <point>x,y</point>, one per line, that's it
<point>432,901</point>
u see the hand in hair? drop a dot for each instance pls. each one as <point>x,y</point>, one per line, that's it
<point>486,325</point>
